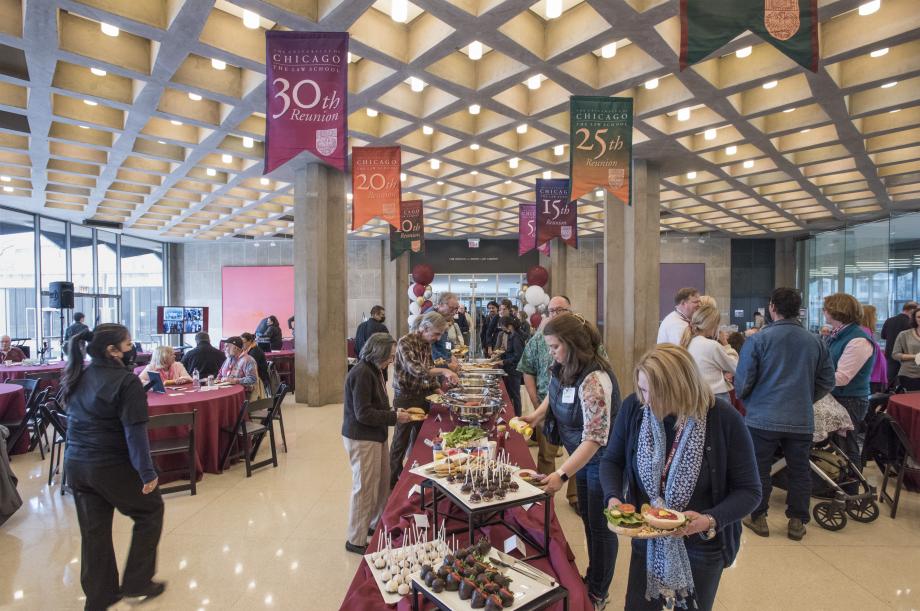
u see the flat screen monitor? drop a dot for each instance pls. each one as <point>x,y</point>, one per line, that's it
<point>176,319</point>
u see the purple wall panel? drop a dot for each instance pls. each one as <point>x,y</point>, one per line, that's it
<point>675,276</point>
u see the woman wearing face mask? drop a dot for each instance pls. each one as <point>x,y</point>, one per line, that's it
<point>582,398</point>
<point>108,465</point>
<point>675,446</point>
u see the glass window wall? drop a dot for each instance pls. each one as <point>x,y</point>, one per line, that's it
<point>17,279</point>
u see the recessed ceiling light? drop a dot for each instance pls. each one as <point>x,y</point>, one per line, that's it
<point>264,181</point>
<point>789,110</point>
<point>399,10</point>
<point>91,102</point>
<point>427,130</point>
<point>474,146</point>
<point>108,29</point>
<point>599,193</point>
<point>5,178</point>
<point>84,127</point>
<point>474,172</point>
<point>709,134</point>
<point>743,52</point>
<point>731,150</point>
<point>683,114</point>
<point>371,112</point>
<point>272,244</point>
<point>749,164</point>
<point>248,142</point>
<point>535,81</point>
<point>256,244</point>
<point>547,174</point>
<point>522,128</point>
<point>194,96</point>
<point>867,8</point>
<point>879,52</point>
<point>211,172</point>
<point>651,83</point>
<point>891,112</point>
<point>174,122</point>
<point>161,141</point>
<point>513,162</point>
<point>691,175</point>
<point>474,109</point>
<point>770,84</point>
<point>8,189</point>
<point>889,85</point>
<point>416,84</point>
<point>226,158</point>
<point>402,177</point>
<point>507,182</point>
<point>250,19</point>
<point>553,9</point>
<point>351,57</point>
<point>218,64</point>
<point>475,50</point>
<point>435,164</point>
<point>98,71</point>
<point>805,131</point>
<point>440,183</point>
<point>609,50</point>
<point>559,150</point>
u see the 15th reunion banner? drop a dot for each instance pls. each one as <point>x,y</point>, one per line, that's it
<point>306,93</point>
<point>410,235</point>
<point>600,152</point>
<point>556,213</point>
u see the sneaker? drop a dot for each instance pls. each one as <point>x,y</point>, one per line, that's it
<point>355,549</point>
<point>758,525</point>
<point>796,529</point>
<point>600,603</point>
<point>153,589</point>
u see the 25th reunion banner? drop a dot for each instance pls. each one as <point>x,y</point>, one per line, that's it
<point>601,146</point>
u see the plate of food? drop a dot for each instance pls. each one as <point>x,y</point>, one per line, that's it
<point>532,477</point>
<point>663,519</point>
<point>416,414</point>
<point>624,520</point>
<point>462,436</point>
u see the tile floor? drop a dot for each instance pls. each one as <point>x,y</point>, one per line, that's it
<point>276,541</point>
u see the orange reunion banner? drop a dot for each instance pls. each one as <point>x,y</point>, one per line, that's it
<point>375,186</point>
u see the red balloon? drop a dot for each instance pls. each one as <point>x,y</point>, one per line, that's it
<point>423,274</point>
<point>418,289</point>
<point>537,276</point>
<point>426,305</point>
<point>535,320</point>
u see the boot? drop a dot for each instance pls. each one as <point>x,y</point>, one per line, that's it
<point>796,529</point>
<point>758,525</point>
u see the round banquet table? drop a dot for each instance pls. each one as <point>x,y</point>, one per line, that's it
<point>13,372</point>
<point>216,409</point>
<point>13,408</point>
<point>287,343</point>
<point>905,409</point>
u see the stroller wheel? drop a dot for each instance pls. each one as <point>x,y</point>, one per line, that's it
<point>865,510</point>
<point>829,516</point>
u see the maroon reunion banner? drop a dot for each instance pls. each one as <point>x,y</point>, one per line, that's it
<point>306,88</point>
<point>527,230</point>
<point>556,215</point>
<point>375,184</point>
<point>411,232</point>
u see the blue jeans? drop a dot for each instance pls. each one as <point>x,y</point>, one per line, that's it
<point>602,543</point>
<point>706,564</point>
<point>797,450</point>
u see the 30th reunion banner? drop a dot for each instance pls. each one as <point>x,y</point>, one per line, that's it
<point>375,184</point>
<point>410,235</point>
<point>600,154</point>
<point>556,214</point>
<point>527,230</point>
<point>306,91</point>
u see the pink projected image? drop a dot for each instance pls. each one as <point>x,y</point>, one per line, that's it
<point>249,294</point>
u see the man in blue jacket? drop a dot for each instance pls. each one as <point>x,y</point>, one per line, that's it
<point>782,371</point>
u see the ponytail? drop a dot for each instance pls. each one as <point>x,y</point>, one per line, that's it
<point>706,317</point>
<point>687,336</point>
<point>94,343</point>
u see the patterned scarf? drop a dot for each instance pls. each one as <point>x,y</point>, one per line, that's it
<point>667,564</point>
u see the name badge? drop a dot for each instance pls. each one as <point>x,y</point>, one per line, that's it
<point>568,395</point>
<point>448,345</point>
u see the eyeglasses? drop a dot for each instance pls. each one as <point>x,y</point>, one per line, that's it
<point>558,310</point>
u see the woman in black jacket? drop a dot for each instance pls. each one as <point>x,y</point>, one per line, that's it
<point>273,333</point>
<point>514,350</point>
<point>675,446</point>
<point>108,465</point>
<point>364,433</point>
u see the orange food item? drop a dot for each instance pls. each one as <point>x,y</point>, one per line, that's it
<point>664,514</point>
<point>627,508</point>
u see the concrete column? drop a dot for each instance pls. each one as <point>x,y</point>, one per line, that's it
<point>631,274</point>
<point>319,285</point>
<point>395,276</point>
<point>785,262</point>
<point>547,262</point>
<point>558,269</point>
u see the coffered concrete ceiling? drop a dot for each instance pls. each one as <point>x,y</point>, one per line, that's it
<point>156,119</point>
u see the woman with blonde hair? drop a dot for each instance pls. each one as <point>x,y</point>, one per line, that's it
<point>713,358</point>
<point>675,446</point>
<point>164,363</point>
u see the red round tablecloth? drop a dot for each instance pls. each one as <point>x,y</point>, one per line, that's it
<point>279,354</point>
<point>287,343</point>
<point>13,408</point>
<point>14,372</point>
<point>284,365</point>
<point>216,408</point>
<point>905,409</point>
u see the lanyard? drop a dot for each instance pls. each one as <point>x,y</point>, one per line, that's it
<point>667,464</point>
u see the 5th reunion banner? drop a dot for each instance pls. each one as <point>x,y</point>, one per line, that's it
<point>306,90</point>
<point>410,235</point>
<point>556,214</point>
<point>600,154</point>
<point>527,230</point>
<point>375,184</point>
<point>789,25</point>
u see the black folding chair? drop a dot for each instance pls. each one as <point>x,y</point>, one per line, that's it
<point>247,435</point>
<point>274,380</point>
<point>889,446</point>
<point>22,426</point>
<point>58,422</point>
<point>30,387</point>
<point>182,443</point>
<point>262,414</point>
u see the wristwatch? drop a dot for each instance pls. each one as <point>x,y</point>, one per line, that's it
<point>711,533</point>
<point>562,475</point>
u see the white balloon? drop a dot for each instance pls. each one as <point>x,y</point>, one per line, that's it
<point>428,292</point>
<point>534,294</point>
<point>411,292</point>
<point>529,309</point>
<point>546,299</point>
<point>412,319</point>
<point>415,308</point>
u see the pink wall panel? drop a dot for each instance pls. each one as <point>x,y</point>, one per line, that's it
<point>249,294</point>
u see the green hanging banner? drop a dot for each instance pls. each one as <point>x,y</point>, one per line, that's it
<point>411,232</point>
<point>789,25</point>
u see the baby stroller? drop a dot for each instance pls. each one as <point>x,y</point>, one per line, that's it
<point>833,473</point>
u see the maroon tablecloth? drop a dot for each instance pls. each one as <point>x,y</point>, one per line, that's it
<point>13,408</point>
<point>14,372</point>
<point>364,594</point>
<point>287,343</point>
<point>216,408</point>
<point>905,409</point>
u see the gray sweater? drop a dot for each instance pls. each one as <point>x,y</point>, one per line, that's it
<point>907,343</point>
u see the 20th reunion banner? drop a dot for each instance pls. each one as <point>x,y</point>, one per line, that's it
<point>375,185</point>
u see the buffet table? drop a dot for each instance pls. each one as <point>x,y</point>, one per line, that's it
<point>560,562</point>
<point>905,409</point>
<point>14,372</point>
<point>13,408</point>
<point>216,408</point>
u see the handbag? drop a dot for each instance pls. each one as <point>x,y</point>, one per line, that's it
<point>551,429</point>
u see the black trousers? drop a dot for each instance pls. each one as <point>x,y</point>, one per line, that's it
<point>797,450</point>
<point>513,383</point>
<point>909,384</point>
<point>404,435</point>
<point>99,490</point>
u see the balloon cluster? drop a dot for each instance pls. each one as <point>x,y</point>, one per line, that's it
<point>420,290</point>
<point>532,295</point>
